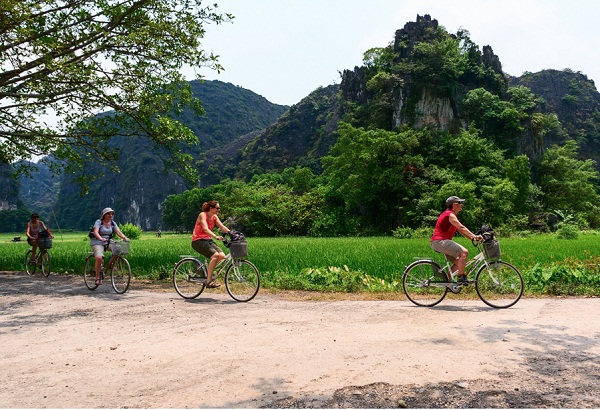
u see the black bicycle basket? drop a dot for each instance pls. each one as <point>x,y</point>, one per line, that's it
<point>238,247</point>
<point>491,245</point>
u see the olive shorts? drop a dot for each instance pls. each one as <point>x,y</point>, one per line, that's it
<point>206,247</point>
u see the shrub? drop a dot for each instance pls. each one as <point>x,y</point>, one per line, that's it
<point>402,233</point>
<point>567,231</point>
<point>408,233</point>
<point>131,231</point>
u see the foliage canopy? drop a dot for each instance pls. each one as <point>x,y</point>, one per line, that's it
<point>76,59</point>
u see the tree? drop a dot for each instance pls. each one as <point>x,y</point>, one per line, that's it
<point>103,68</point>
<point>377,174</point>
<point>568,183</point>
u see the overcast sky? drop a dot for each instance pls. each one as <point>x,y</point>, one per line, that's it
<point>285,49</point>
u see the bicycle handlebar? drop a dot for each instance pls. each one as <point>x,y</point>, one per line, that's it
<point>476,242</point>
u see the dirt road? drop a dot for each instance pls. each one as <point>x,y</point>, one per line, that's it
<point>64,346</point>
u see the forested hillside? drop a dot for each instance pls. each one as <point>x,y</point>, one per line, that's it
<point>428,116</point>
<point>576,102</point>
<point>137,192</point>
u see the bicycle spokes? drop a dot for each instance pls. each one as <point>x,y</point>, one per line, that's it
<point>423,285</point>
<point>242,280</point>
<point>499,284</point>
<point>187,278</point>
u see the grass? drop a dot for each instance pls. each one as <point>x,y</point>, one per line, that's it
<point>548,264</point>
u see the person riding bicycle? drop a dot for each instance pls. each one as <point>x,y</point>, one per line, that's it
<point>202,238</point>
<point>441,240</point>
<point>102,232</point>
<point>34,227</point>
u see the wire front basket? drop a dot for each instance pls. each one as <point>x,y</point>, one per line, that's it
<point>238,250</point>
<point>119,248</point>
<point>44,243</point>
<point>491,248</point>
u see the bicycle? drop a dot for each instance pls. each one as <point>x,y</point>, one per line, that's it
<point>43,259</point>
<point>117,265</point>
<point>242,278</point>
<point>498,283</point>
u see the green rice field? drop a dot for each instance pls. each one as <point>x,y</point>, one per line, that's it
<point>548,264</point>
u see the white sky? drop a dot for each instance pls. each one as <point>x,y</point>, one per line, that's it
<point>285,49</point>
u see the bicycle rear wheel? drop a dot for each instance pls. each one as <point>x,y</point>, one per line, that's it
<point>89,273</point>
<point>120,274</point>
<point>29,264</point>
<point>187,277</point>
<point>242,280</point>
<point>46,263</point>
<point>424,284</point>
<point>499,284</point>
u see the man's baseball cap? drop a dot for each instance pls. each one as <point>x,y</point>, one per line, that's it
<point>453,200</point>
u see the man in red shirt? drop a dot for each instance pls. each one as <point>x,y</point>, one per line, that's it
<point>441,240</point>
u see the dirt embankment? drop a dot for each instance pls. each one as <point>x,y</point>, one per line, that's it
<point>64,346</point>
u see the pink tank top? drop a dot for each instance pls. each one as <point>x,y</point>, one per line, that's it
<point>199,232</point>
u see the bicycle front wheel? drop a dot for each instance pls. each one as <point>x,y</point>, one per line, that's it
<point>242,280</point>
<point>424,284</point>
<point>89,273</point>
<point>120,274</point>
<point>187,278</point>
<point>46,263</point>
<point>499,284</point>
<point>29,264</point>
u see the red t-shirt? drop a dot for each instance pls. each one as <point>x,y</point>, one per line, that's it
<point>443,228</point>
<point>199,232</point>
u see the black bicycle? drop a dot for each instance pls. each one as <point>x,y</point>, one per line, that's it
<point>42,260</point>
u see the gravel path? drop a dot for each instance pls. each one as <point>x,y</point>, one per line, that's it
<point>64,346</point>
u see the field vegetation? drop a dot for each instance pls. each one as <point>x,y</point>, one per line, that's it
<point>550,265</point>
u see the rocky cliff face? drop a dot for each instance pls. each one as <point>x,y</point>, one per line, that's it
<point>575,100</point>
<point>9,189</point>
<point>291,140</point>
<point>413,103</point>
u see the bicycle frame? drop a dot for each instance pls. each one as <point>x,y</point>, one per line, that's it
<point>220,267</point>
<point>472,265</point>
<point>120,282</point>
<point>497,283</point>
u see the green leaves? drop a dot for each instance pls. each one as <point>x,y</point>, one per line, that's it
<point>74,60</point>
<point>567,182</point>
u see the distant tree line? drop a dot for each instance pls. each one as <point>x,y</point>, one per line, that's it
<point>376,181</point>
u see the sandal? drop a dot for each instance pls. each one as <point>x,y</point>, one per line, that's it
<point>213,284</point>
<point>98,282</point>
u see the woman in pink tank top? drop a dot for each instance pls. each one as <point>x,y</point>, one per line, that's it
<point>203,235</point>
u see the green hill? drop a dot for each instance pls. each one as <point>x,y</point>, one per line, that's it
<point>137,192</point>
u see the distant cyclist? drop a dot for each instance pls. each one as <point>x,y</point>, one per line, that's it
<point>441,240</point>
<point>34,226</point>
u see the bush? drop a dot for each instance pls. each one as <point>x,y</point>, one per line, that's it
<point>402,233</point>
<point>408,233</point>
<point>567,231</point>
<point>131,231</point>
